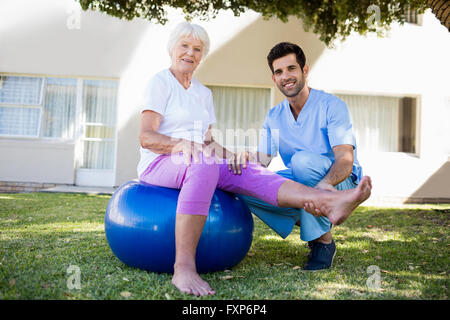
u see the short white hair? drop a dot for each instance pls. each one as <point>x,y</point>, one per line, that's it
<point>189,29</point>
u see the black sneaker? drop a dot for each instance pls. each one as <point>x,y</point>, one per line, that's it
<point>321,255</point>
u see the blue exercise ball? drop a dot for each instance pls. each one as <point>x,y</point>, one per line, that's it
<point>140,229</point>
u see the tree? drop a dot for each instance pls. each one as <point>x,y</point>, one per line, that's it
<point>441,9</point>
<point>330,19</point>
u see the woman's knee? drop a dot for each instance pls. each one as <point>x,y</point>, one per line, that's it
<point>206,171</point>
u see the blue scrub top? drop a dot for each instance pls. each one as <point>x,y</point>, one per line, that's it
<point>323,123</point>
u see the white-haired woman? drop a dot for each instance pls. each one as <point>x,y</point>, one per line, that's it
<point>178,151</point>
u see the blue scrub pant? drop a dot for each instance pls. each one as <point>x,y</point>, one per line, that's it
<point>309,169</point>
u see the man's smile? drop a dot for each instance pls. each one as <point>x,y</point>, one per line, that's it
<point>289,84</point>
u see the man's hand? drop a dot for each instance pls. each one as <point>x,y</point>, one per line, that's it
<point>322,185</point>
<point>310,207</point>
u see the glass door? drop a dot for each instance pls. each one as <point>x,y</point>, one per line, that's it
<point>96,165</point>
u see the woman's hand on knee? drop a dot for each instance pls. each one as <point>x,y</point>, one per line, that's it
<point>189,149</point>
<point>240,158</point>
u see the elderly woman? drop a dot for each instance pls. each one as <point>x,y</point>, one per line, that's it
<point>178,151</point>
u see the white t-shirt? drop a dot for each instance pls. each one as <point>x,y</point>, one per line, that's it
<point>187,113</point>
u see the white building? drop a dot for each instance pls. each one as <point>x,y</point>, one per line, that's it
<point>71,81</point>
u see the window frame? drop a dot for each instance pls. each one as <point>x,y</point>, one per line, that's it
<point>42,93</point>
<point>41,107</point>
<point>409,13</point>
<point>26,106</point>
<point>22,106</point>
<point>399,95</point>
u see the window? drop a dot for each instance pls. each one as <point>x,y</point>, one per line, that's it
<point>240,113</point>
<point>20,90</point>
<point>19,121</point>
<point>47,106</point>
<point>37,106</point>
<point>99,118</point>
<point>59,108</point>
<point>20,105</point>
<point>51,107</point>
<point>411,16</point>
<point>386,124</point>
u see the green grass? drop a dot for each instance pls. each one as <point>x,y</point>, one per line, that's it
<point>42,234</point>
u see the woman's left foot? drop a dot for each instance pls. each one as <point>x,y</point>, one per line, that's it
<point>188,281</point>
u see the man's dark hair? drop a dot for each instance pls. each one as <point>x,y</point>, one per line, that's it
<point>283,49</point>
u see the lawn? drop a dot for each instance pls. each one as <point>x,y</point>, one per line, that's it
<point>43,234</point>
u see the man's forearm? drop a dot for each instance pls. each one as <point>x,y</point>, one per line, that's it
<point>338,172</point>
<point>223,153</point>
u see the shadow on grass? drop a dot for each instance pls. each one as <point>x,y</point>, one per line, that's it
<point>409,246</point>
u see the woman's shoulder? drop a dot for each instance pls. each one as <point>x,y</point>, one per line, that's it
<point>201,88</point>
<point>158,80</point>
<point>162,75</point>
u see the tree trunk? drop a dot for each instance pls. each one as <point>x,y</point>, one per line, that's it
<point>441,9</point>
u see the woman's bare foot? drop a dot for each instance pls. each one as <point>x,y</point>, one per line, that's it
<point>187,280</point>
<point>338,206</point>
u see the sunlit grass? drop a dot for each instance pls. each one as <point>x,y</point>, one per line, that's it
<point>41,235</point>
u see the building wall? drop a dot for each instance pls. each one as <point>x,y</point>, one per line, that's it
<point>42,38</point>
<point>411,60</point>
<point>30,160</point>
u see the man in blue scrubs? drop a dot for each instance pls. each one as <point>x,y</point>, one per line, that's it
<point>312,130</point>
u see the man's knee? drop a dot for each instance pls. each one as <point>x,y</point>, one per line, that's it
<point>309,168</point>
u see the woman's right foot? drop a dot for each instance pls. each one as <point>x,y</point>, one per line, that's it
<point>188,281</point>
<point>339,205</point>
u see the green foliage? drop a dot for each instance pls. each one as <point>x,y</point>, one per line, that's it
<point>329,19</point>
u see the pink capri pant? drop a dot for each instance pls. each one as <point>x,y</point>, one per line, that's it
<point>198,181</point>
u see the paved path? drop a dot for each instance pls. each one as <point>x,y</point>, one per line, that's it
<point>78,189</point>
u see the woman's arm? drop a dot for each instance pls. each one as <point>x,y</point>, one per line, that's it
<point>149,136</point>
<point>162,144</point>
